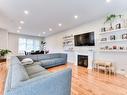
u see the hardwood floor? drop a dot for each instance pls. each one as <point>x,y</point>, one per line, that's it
<point>3,72</point>
<point>86,82</point>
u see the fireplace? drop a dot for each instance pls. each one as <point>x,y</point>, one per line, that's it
<point>83,60</point>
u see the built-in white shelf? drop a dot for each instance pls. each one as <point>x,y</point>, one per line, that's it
<point>112,41</point>
<point>113,31</point>
<point>68,39</point>
<point>68,43</point>
<point>115,51</point>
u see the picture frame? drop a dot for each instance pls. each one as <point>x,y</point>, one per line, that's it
<point>124,36</point>
<point>118,26</point>
<point>103,29</point>
<point>103,39</point>
<point>112,37</point>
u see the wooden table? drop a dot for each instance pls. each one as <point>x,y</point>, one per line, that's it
<point>2,60</point>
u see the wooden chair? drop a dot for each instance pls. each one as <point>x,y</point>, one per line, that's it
<point>104,65</point>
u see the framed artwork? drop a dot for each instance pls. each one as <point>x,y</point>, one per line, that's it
<point>118,26</point>
<point>112,37</point>
<point>103,29</point>
<point>124,36</point>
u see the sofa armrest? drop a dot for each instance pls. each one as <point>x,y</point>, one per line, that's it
<point>64,56</point>
<point>57,83</point>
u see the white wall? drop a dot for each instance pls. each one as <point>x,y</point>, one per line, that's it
<point>3,39</point>
<point>54,44</point>
<point>13,41</point>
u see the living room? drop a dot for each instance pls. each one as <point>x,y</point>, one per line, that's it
<point>71,47</point>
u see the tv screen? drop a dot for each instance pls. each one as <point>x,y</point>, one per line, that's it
<point>86,39</point>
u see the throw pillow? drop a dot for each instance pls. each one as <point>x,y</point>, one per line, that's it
<point>27,61</point>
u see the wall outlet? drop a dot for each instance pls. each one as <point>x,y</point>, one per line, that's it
<point>122,69</point>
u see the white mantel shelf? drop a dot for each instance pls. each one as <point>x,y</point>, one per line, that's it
<point>90,55</point>
<point>113,31</point>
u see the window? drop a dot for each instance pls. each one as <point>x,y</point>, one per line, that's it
<point>28,45</point>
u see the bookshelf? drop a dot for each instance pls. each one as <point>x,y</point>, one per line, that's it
<point>113,41</point>
<point>68,43</point>
<point>113,31</point>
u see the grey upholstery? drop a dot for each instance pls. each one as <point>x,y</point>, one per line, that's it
<point>34,69</point>
<point>34,79</point>
<point>52,62</point>
<point>47,60</point>
<point>18,74</point>
<point>33,57</point>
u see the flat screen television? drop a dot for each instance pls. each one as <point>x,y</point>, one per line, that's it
<point>86,39</point>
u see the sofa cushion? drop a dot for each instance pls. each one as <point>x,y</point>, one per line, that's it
<point>15,60</point>
<point>47,62</point>
<point>34,69</point>
<point>33,57</point>
<point>39,74</point>
<point>52,62</point>
<point>43,56</point>
<point>59,60</point>
<point>55,55</point>
<point>19,74</point>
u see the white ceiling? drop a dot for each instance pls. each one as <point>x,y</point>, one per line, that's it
<point>45,14</point>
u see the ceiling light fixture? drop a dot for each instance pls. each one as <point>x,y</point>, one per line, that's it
<point>59,24</point>
<point>18,31</point>
<point>108,1</point>
<point>19,27</point>
<point>39,35</point>
<point>50,29</point>
<point>22,22</point>
<point>76,16</point>
<point>44,32</point>
<point>26,12</point>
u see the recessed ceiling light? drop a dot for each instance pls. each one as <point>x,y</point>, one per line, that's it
<point>26,12</point>
<point>19,27</point>
<point>59,24</point>
<point>108,1</point>
<point>50,29</point>
<point>76,16</point>
<point>44,32</point>
<point>39,34</point>
<point>18,31</point>
<point>22,22</point>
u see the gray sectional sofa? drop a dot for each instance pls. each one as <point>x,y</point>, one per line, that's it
<point>34,79</point>
<point>47,60</point>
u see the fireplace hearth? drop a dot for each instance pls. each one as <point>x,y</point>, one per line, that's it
<point>83,60</point>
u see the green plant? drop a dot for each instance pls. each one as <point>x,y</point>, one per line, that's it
<point>4,52</point>
<point>112,17</point>
<point>43,43</point>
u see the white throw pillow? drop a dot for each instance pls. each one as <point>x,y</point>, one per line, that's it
<point>27,61</point>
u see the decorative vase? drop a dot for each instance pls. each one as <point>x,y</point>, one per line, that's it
<point>111,27</point>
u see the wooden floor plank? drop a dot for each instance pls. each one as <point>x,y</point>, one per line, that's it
<point>85,82</point>
<point>3,73</point>
<point>88,82</point>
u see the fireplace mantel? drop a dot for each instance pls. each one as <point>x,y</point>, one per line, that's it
<point>90,58</point>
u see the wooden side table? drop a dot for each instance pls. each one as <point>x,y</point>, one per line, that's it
<point>2,60</point>
<point>104,65</point>
<point>2,63</point>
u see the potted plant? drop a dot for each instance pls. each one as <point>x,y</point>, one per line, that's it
<point>111,18</point>
<point>43,45</point>
<point>3,53</point>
